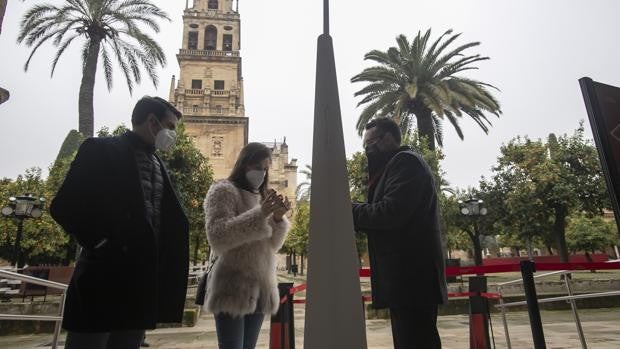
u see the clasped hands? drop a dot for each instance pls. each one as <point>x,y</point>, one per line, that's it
<point>276,204</point>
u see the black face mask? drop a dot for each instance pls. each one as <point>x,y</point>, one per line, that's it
<point>376,159</point>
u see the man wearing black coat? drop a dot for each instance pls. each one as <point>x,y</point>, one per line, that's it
<point>118,203</point>
<point>400,219</point>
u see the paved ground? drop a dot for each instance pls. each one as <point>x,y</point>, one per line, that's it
<point>600,327</point>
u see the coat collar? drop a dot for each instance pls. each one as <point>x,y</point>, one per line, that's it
<point>403,149</point>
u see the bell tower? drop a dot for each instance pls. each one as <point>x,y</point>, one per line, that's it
<point>209,90</point>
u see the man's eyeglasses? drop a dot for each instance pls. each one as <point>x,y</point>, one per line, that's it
<point>373,140</point>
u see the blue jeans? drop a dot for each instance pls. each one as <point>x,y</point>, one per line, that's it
<point>238,332</point>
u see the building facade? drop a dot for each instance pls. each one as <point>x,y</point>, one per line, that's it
<point>209,91</point>
<point>282,173</point>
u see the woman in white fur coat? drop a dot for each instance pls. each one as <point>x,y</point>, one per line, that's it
<point>246,226</point>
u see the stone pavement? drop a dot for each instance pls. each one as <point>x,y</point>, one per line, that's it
<point>601,327</point>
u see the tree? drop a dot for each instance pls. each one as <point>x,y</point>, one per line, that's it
<point>455,237</point>
<point>192,176</point>
<point>357,167</point>
<point>70,145</point>
<point>541,184</point>
<point>57,173</point>
<point>414,80</point>
<point>110,29</point>
<point>304,188</point>
<point>590,234</point>
<point>297,240</point>
<point>3,4</point>
<point>43,240</point>
<point>37,247</point>
<point>4,94</point>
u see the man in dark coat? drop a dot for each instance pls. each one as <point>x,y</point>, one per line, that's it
<point>118,203</point>
<point>400,219</point>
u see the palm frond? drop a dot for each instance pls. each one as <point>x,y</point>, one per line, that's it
<point>438,127</point>
<point>432,53</point>
<point>36,47</point>
<point>455,123</point>
<point>61,50</point>
<point>119,51</point>
<point>107,67</point>
<point>443,60</point>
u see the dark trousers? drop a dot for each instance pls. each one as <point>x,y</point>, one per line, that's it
<point>105,340</point>
<point>238,332</point>
<point>415,327</point>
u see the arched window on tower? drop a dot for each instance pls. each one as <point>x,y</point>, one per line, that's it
<point>213,4</point>
<point>192,40</point>
<point>211,38</point>
<point>227,44</point>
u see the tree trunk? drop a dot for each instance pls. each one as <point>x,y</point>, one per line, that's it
<point>549,250</point>
<point>530,250</point>
<point>85,103</point>
<point>4,94</point>
<point>2,12</point>
<point>426,128</point>
<point>301,269</point>
<point>559,231</point>
<point>196,249</point>
<point>589,259</point>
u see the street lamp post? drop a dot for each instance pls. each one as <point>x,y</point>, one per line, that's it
<point>21,208</point>
<point>478,305</point>
<point>474,208</point>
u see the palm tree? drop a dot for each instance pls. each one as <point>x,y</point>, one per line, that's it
<point>4,94</point>
<point>110,29</point>
<point>304,188</point>
<point>414,80</point>
<point>3,4</point>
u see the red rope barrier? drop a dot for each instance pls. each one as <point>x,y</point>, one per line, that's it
<point>505,268</point>
<point>577,266</point>
<point>298,289</point>
<point>450,295</point>
<point>491,269</point>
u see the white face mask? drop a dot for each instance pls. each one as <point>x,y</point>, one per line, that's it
<point>255,178</point>
<point>165,138</point>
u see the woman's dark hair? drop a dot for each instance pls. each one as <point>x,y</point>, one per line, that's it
<point>251,154</point>
<point>155,105</point>
<point>385,125</point>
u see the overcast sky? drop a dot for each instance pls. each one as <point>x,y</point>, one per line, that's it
<point>538,50</point>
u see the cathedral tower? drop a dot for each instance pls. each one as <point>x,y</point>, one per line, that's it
<point>209,91</point>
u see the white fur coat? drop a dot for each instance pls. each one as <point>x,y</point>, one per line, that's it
<point>243,278</point>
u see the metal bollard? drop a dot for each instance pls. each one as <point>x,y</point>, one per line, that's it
<point>527,272</point>
<point>478,314</point>
<point>282,335</point>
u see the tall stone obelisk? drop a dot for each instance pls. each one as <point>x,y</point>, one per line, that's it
<point>334,308</point>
